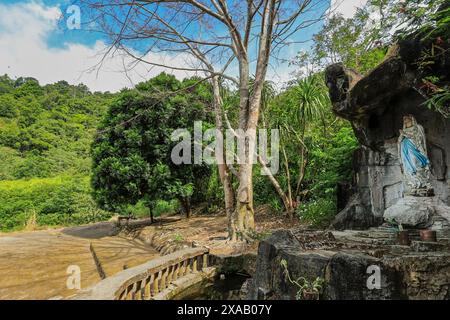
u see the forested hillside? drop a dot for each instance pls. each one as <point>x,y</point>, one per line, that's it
<point>45,137</point>
<point>47,130</point>
<point>46,134</point>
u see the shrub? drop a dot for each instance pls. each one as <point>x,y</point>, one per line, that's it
<point>318,213</point>
<point>62,200</point>
<point>141,210</point>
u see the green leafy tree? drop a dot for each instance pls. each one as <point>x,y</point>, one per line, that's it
<point>8,106</point>
<point>361,42</point>
<point>346,40</point>
<point>6,84</point>
<point>132,149</point>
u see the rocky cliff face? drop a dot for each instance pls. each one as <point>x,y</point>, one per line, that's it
<point>376,105</point>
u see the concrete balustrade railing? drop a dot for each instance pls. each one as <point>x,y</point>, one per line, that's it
<point>145,281</point>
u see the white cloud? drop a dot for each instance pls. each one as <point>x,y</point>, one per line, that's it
<point>23,31</point>
<point>24,52</point>
<point>346,7</point>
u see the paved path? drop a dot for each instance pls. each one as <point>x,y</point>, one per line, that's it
<point>33,265</point>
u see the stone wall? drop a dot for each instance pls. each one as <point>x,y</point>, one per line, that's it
<point>345,266</point>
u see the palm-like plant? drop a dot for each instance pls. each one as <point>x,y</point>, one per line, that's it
<point>312,101</point>
<point>291,113</point>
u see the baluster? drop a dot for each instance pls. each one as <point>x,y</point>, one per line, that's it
<point>175,271</point>
<point>182,268</point>
<point>170,274</point>
<point>163,279</point>
<point>194,264</point>
<point>129,293</point>
<point>134,291</point>
<point>200,262</point>
<point>205,261</point>
<point>146,291</point>
<point>140,290</point>
<point>156,284</point>
<point>151,285</point>
<point>188,266</point>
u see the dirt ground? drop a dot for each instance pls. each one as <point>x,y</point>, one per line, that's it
<point>33,264</point>
<point>171,233</point>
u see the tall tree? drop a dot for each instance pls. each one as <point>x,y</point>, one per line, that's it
<point>216,37</point>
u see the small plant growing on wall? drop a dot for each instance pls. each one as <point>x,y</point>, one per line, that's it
<point>178,237</point>
<point>307,290</point>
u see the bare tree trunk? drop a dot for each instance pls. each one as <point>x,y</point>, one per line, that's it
<point>224,172</point>
<point>290,207</point>
<point>150,208</point>
<point>244,215</point>
<point>186,204</point>
<point>242,220</point>
<point>244,224</point>
<point>287,201</point>
<point>302,168</point>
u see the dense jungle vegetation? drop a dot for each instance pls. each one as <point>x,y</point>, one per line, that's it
<point>54,139</point>
<point>46,133</point>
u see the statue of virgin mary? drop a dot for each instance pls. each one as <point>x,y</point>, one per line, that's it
<point>413,157</point>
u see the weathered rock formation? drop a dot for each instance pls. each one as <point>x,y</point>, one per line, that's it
<point>376,105</point>
<point>347,263</point>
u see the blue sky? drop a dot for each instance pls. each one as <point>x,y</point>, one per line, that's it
<point>35,41</point>
<point>61,35</point>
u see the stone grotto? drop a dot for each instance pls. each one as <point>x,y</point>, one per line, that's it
<point>401,182</point>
